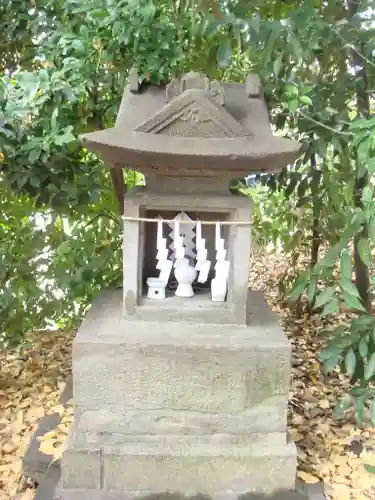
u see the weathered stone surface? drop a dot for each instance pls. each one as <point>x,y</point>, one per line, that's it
<point>199,467</point>
<point>113,495</point>
<point>200,368</point>
<point>192,464</point>
<point>35,463</point>
<point>180,445</point>
<point>267,416</point>
<point>50,490</point>
<point>81,468</point>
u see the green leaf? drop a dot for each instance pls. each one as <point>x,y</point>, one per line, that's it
<point>332,307</point>
<point>335,345</point>
<point>324,297</point>
<point>364,251</point>
<point>291,91</point>
<point>346,264</point>
<point>29,82</point>
<point>148,11</point>
<point>277,65</point>
<point>21,180</point>
<point>370,367</point>
<point>363,347</point>
<point>224,54</point>
<point>342,406</point>
<point>330,258</point>
<point>311,290</point>
<point>362,124</point>
<point>368,194</point>
<point>370,468</point>
<point>54,120</point>
<point>361,169</point>
<point>332,362</point>
<point>299,286</point>
<point>353,303</point>
<point>64,138</point>
<point>350,362</point>
<point>371,166</point>
<point>348,287</point>
<point>363,150</point>
<point>293,105</point>
<point>305,99</point>
<point>372,413</point>
<point>291,185</point>
<point>34,155</point>
<point>371,230</point>
<point>360,408</point>
<point>362,322</point>
<point>35,181</point>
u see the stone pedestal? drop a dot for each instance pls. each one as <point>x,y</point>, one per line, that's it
<point>179,407</point>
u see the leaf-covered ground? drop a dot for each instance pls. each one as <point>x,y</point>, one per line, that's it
<point>335,452</point>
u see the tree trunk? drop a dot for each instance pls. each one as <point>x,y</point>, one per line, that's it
<point>118,183</point>
<point>316,240</point>
<point>362,274</point>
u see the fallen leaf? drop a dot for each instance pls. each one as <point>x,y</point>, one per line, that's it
<point>308,478</point>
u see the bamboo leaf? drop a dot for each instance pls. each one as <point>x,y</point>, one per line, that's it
<point>224,54</point>
<point>299,286</point>
<point>332,362</point>
<point>363,347</point>
<point>368,194</point>
<point>330,258</point>
<point>311,291</point>
<point>342,406</point>
<point>348,287</point>
<point>350,362</point>
<point>372,412</point>
<point>353,303</point>
<point>364,251</point>
<point>277,66</point>
<point>324,297</point>
<point>346,264</point>
<point>360,408</point>
<point>370,367</point>
<point>371,230</point>
<point>332,307</point>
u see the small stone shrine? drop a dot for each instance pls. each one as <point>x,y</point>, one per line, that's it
<point>181,379</point>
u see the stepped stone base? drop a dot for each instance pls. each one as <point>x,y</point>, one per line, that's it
<point>197,409</point>
<point>189,464</point>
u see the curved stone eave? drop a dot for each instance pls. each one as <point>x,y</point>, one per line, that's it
<point>147,151</point>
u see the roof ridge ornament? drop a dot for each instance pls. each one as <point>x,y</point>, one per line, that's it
<point>195,81</point>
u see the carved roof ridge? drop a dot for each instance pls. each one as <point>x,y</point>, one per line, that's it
<point>197,105</point>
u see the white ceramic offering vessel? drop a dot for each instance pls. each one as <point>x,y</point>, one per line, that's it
<point>156,288</point>
<point>185,275</point>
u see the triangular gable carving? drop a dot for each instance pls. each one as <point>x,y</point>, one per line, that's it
<point>193,114</point>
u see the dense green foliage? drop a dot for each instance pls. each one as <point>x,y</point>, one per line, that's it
<point>64,66</point>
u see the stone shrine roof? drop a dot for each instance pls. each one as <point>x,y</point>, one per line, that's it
<point>193,127</point>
